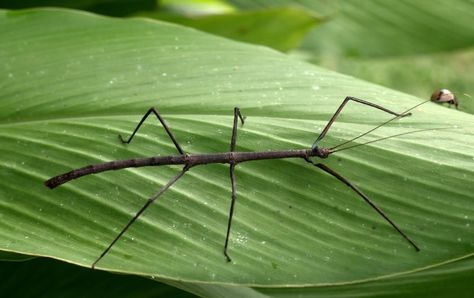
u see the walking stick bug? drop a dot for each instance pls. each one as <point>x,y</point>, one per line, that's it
<point>234,158</point>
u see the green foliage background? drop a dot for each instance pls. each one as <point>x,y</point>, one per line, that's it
<point>73,80</point>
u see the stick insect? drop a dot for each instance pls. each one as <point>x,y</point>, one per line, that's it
<point>233,158</point>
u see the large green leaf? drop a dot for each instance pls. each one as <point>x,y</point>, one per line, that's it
<point>72,81</point>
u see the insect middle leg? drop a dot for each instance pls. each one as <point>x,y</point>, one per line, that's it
<point>233,140</point>
<point>162,121</point>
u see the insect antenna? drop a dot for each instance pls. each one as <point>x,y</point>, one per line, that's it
<point>378,126</point>
<point>385,138</point>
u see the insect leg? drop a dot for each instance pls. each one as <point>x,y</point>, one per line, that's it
<point>366,199</point>
<point>333,118</point>
<point>233,140</point>
<point>168,131</point>
<point>231,212</point>
<point>148,203</point>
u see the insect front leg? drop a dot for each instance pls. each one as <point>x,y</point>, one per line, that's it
<point>162,121</point>
<point>339,109</point>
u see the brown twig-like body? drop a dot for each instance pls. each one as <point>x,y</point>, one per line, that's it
<point>185,159</point>
<point>232,158</point>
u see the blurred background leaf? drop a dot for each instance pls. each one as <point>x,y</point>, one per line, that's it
<point>279,28</point>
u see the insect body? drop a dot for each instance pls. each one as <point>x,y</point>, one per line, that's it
<point>444,95</point>
<point>232,158</point>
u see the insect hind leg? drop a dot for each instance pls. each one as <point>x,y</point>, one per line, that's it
<point>137,215</point>
<point>365,198</point>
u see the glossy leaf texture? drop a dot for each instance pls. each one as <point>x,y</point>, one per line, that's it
<point>73,81</point>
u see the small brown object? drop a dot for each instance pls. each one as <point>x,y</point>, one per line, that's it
<point>444,95</point>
